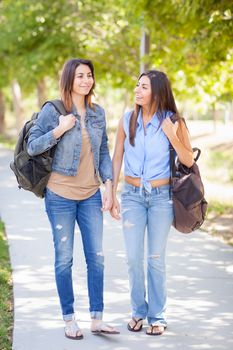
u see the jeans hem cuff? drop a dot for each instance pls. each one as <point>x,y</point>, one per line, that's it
<point>68,317</point>
<point>138,316</point>
<point>159,323</point>
<point>96,315</point>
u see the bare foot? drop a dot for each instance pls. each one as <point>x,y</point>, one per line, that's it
<point>135,325</point>
<point>72,330</point>
<point>155,330</point>
<point>97,326</point>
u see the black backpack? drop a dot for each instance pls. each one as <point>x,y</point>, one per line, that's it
<point>33,172</point>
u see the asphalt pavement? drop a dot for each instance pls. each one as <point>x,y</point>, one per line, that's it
<point>199,279</point>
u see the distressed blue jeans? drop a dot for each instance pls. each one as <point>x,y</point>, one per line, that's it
<point>152,211</point>
<point>62,214</point>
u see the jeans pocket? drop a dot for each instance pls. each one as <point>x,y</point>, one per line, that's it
<point>127,193</point>
<point>164,196</point>
<point>51,195</point>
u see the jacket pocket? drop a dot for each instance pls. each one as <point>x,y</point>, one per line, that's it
<point>98,124</point>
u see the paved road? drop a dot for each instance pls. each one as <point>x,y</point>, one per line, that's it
<point>200,284</point>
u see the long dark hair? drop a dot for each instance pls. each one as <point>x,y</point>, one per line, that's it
<point>67,80</point>
<point>161,97</point>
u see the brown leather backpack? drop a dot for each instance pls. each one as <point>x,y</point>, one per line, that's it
<point>187,190</point>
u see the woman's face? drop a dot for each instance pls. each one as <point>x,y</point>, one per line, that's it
<point>143,92</point>
<point>83,80</point>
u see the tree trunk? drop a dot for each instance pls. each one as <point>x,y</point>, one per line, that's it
<point>17,103</point>
<point>214,118</point>
<point>126,101</point>
<point>41,95</point>
<point>231,110</point>
<point>2,113</point>
<point>144,51</point>
<point>227,113</point>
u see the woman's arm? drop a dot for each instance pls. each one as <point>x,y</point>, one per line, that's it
<point>179,137</point>
<point>117,163</point>
<point>41,137</point>
<point>48,128</point>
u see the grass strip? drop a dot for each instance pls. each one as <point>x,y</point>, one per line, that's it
<point>6,294</point>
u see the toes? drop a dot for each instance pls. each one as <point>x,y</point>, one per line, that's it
<point>79,334</point>
<point>155,330</point>
<point>135,324</point>
<point>72,330</point>
<point>132,324</point>
<point>138,325</point>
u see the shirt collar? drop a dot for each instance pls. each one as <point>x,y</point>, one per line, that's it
<point>91,112</point>
<point>154,120</point>
<point>139,119</point>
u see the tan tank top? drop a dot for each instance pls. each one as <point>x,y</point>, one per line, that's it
<point>85,183</point>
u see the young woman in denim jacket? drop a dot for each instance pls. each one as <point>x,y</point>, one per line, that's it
<point>143,139</point>
<point>73,193</point>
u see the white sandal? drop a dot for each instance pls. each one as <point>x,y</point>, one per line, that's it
<point>104,328</point>
<point>72,329</point>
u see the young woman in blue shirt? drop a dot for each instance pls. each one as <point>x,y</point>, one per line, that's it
<point>143,139</point>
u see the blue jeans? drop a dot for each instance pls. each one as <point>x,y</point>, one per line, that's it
<point>153,211</point>
<point>62,214</point>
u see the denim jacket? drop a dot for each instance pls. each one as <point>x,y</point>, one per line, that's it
<point>68,149</point>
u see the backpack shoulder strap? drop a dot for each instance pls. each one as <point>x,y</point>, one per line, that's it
<point>58,105</point>
<point>172,160</point>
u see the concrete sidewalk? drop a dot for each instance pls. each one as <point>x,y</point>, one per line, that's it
<point>200,285</point>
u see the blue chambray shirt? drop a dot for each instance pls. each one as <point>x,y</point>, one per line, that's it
<point>149,158</point>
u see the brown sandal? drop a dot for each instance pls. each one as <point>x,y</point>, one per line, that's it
<point>152,328</point>
<point>132,329</point>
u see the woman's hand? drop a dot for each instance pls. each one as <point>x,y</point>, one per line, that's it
<point>107,196</point>
<point>179,138</point>
<point>169,128</point>
<point>115,210</point>
<point>66,122</point>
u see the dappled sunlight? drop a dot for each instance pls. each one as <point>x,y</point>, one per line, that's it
<point>38,229</point>
<point>121,255</point>
<point>203,292</point>
<point>199,280</point>
<point>229,269</point>
<point>8,184</point>
<point>20,237</point>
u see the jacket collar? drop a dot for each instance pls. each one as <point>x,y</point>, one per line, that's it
<point>89,111</point>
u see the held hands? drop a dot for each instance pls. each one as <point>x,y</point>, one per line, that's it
<point>110,202</point>
<point>169,128</point>
<point>107,197</point>
<point>115,210</point>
